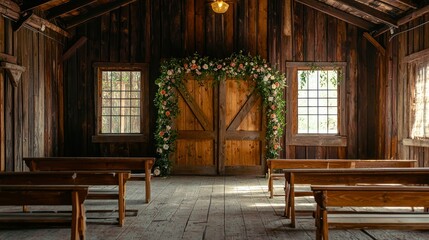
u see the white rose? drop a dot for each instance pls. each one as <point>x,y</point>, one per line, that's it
<point>273,86</point>
<point>168,127</point>
<point>170,72</point>
<point>205,66</point>
<point>165,146</point>
<point>270,99</point>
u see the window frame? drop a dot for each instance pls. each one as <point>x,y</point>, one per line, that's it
<point>143,136</point>
<point>412,62</point>
<point>299,139</point>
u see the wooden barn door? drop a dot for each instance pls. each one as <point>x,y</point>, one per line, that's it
<point>220,129</point>
<point>196,145</point>
<point>241,131</point>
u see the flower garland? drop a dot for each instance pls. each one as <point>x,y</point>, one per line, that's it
<point>269,82</point>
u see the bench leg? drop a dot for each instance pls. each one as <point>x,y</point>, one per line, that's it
<point>270,184</point>
<point>147,179</point>
<point>287,201</point>
<point>121,200</point>
<point>82,222</point>
<point>75,216</point>
<point>324,222</point>
<point>318,224</point>
<point>292,205</point>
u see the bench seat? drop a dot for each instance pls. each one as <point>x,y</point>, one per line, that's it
<point>16,195</point>
<point>331,196</point>
<point>347,176</point>
<point>133,164</point>
<point>104,178</point>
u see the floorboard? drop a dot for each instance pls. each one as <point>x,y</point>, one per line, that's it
<point>201,207</point>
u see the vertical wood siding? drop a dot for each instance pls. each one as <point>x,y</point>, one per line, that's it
<point>150,31</point>
<point>402,90</point>
<point>41,119</point>
<point>31,117</point>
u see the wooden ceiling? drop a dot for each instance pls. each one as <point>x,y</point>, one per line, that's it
<point>367,14</point>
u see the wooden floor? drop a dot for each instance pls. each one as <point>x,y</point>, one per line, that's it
<point>202,208</point>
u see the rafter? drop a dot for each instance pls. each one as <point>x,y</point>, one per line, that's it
<point>22,19</point>
<point>72,50</point>
<point>381,16</point>
<point>408,3</point>
<point>67,7</point>
<point>30,5</point>
<point>325,8</point>
<point>374,42</point>
<point>97,12</point>
<point>418,13</point>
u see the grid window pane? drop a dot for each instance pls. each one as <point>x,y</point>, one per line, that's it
<point>318,102</point>
<point>303,123</point>
<point>120,99</point>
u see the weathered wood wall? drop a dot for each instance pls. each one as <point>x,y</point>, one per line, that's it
<point>152,30</point>
<point>402,46</point>
<point>321,38</point>
<point>32,110</point>
<point>149,31</point>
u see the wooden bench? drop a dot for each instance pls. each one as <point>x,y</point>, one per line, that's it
<point>278,164</point>
<point>369,196</point>
<point>16,195</point>
<point>95,164</point>
<point>118,179</point>
<point>346,176</point>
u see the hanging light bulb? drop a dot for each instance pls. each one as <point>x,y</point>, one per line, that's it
<point>219,6</point>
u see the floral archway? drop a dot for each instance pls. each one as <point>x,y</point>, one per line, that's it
<point>269,82</point>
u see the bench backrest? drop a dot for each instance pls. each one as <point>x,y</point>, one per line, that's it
<point>87,163</point>
<point>63,178</point>
<point>351,176</point>
<point>370,196</point>
<point>306,163</point>
<point>338,163</point>
<point>384,163</point>
<point>41,194</point>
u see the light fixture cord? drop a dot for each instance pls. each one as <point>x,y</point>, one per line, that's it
<point>407,30</point>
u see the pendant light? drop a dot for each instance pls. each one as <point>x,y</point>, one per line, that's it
<point>219,6</point>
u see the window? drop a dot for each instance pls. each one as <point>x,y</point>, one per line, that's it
<point>419,117</point>
<point>316,104</point>
<point>121,102</point>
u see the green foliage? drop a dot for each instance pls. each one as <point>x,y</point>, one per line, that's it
<point>269,82</point>
<point>334,79</point>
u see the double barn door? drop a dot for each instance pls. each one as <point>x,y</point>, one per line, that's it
<point>220,129</point>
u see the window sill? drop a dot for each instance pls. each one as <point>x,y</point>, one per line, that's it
<point>317,140</point>
<point>415,142</point>
<point>110,138</point>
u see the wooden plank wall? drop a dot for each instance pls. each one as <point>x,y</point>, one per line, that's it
<point>31,110</point>
<point>149,31</point>
<point>319,37</point>
<point>407,43</point>
<point>36,122</point>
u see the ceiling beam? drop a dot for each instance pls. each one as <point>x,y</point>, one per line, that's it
<point>30,5</point>
<point>34,22</point>
<point>325,8</point>
<point>376,44</point>
<point>409,3</point>
<point>418,13</point>
<point>22,19</point>
<point>363,8</point>
<point>67,7</point>
<point>100,10</point>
